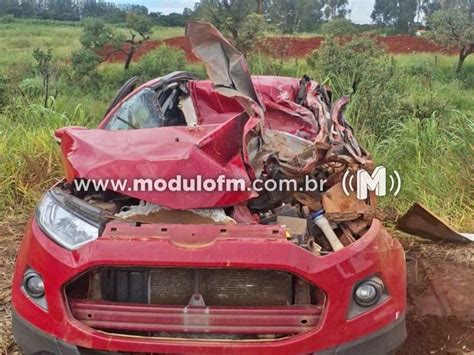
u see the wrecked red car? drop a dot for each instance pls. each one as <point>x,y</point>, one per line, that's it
<point>120,269</point>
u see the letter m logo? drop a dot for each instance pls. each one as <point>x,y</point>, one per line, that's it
<point>375,182</point>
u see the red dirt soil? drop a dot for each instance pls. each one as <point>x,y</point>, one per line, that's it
<point>440,317</point>
<point>288,47</point>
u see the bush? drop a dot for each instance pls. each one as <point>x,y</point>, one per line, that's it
<point>3,92</point>
<point>114,76</point>
<point>84,64</point>
<point>346,63</point>
<point>359,68</point>
<point>339,27</point>
<point>32,87</point>
<point>7,19</point>
<point>382,94</point>
<point>251,30</point>
<point>158,62</point>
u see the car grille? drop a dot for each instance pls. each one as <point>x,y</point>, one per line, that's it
<point>220,287</point>
<point>192,303</point>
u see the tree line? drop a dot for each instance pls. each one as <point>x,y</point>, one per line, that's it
<point>244,21</point>
<point>286,16</point>
<point>68,10</point>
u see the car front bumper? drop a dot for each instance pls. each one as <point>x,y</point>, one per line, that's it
<point>35,342</point>
<point>378,330</point>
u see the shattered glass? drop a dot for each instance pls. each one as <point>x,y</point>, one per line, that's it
<point>140,111</point>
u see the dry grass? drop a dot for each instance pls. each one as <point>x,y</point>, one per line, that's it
<point>11,230</point>
<point>427,249</point>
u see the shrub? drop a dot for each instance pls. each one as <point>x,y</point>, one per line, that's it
<point>339,27</point>
<point>114,76</point>
<point>347,63</point>
<point>32,87</point>
<point>84,64</point>
<point>251,30</point>
<point>382,94</point>
<point>3,92</point>
<point>158,62</point>
<point>7,19</point>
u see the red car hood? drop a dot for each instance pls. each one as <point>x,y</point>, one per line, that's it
<point>166,152</point>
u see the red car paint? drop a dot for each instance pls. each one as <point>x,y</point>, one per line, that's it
<point>336,274</point>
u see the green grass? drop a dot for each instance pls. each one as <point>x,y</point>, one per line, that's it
<point>17,39</point>
<point>29,158</point>
<point>160,32</point>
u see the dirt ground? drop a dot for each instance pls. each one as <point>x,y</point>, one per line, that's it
<point>440,288</point>
<point>290,47</point>
<point>440,317</point>
<point>10,236</point>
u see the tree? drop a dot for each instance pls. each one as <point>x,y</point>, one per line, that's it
<point>8,7</point>
<point>429,6</point>
<point>335,9</point>
<point>99,41</point>
<point>454,27</point>
<point>140,30</point>
<point>351,62</point>
<point>226,15</point>
<point>105,10</point>
<point>96,35</point>
<point>251,30</point>
<point>290,16</point>
<point>46,68</point>
<point>398,13</point>
<point>62,10</point>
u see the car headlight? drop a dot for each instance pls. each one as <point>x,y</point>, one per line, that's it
<point>63,226</point>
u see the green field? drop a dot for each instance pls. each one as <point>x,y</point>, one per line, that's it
<point>424,127</point>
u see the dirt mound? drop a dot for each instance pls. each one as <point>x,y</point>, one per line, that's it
<point>112,55</point>
<point>286,47</point>
<point>440,317</point>
<point>290,47</point>
<point>184,44</point>
<point>403,44</point>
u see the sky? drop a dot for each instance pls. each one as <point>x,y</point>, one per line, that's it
<point>361,9</point>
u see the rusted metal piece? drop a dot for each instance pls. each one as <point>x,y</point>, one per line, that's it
<point>346,238</point>
<point>341,207</point>
<point>421,222</point>
<point>225,65</point>
<point>358,226</point>
<point>308,200</point>
<point>214,320</point>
